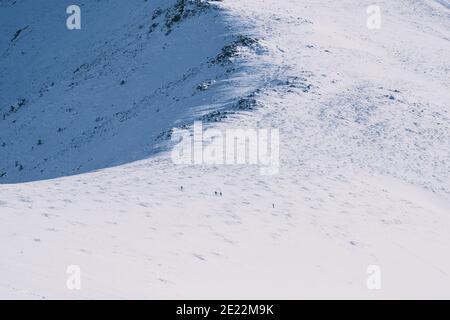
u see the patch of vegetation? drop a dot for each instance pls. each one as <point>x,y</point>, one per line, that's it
<point>247,103</point>
<point>14,108</point>
<point>18,32</point>
<point>180,11</point>
<point>232,50</point>
<point>205,85</point>
<point>215,116</point>
<point>293,82</point>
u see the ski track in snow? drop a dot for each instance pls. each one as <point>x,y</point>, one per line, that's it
<point>364,176</point>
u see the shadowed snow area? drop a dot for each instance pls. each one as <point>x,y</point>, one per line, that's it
<point>110,93</point>
<point>364,175</point>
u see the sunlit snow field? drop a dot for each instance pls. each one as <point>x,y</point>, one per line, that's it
<point>87,177</point>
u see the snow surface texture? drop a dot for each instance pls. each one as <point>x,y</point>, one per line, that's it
<point>364,175</point>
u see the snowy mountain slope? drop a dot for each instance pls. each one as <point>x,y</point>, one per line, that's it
<point>106,94</point>
<point>364,175</point>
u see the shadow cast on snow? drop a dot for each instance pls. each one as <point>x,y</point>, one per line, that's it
<point>110,93</point>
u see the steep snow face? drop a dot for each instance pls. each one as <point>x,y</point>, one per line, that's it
<point>76,100</point>
<point>363,181</point>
